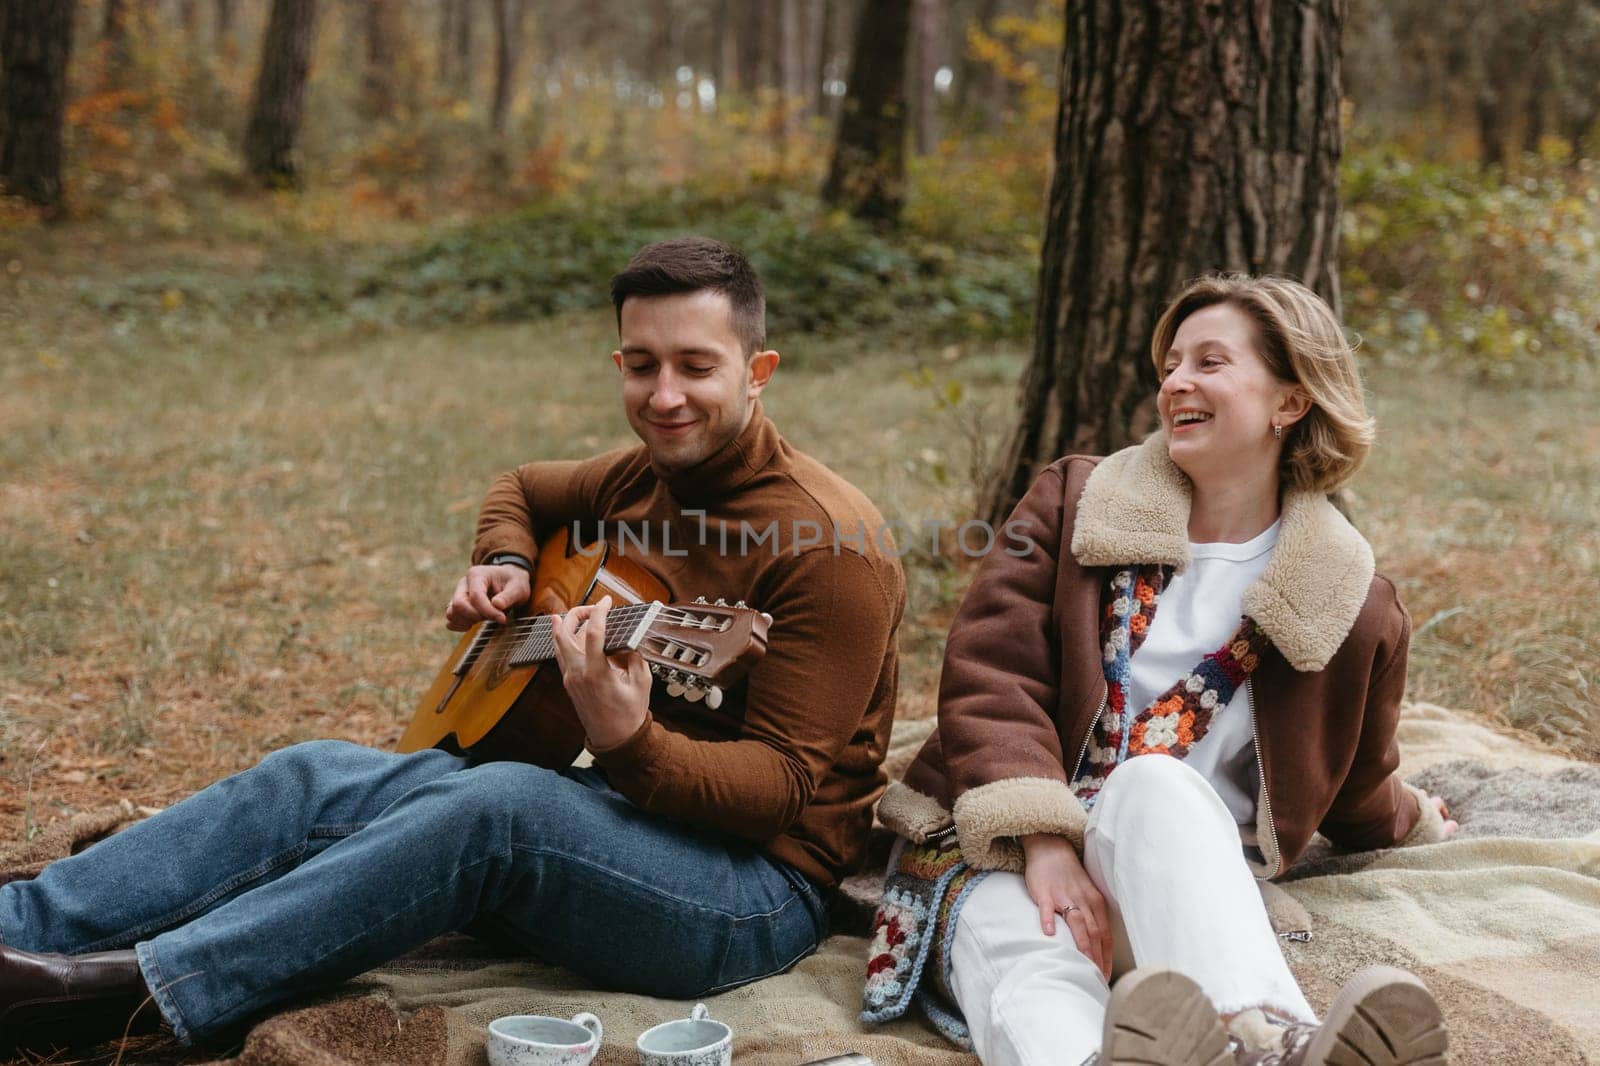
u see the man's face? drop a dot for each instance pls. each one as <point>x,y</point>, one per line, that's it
<point>686,384</point>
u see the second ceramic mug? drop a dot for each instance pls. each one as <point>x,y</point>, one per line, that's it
<point>692,1041</point>
<point>540,1040</point>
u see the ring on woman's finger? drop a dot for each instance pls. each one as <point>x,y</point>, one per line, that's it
<point>1070,908</point>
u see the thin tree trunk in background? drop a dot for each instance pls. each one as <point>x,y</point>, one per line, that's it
<point>751,26</point>
<point>814,36</point>
<point>379,58</point>
<point>1190,138</point>
<point>1490,115</point>
<point>35,48</point>
<point>272,138</point>
<point>972,72</point>
<point>461,62</point>
<point>508,25</point>
<point>222,28</point>
<point>791,63</point>
<point>444,45</point>
<point>114,39</point>
<point>727,62</point>
<point>868,173</point>
<point>927,18</point>
<point>834,20</point>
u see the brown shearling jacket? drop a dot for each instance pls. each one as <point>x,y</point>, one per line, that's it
<point>1023,685</point>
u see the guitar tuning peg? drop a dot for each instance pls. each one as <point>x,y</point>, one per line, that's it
<point>693,694</point>
<point>714,697</point>
<point>675,690</point>
<point>700,599</point>
<point>721,602</point>
<point>741,604</point>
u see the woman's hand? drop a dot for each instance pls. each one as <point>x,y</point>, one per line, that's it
<point>1058,884</point>
<point>1450,824</point>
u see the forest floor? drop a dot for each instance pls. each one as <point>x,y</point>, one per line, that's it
<point>225,532</point>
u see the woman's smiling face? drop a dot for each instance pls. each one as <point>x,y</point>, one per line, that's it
<point>1219,400</point>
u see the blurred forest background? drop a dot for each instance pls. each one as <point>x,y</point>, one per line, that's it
<point>299,276</point>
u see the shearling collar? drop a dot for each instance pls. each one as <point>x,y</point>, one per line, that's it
<point>1135,509</point>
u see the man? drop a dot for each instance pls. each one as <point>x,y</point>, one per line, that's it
<point>692,857</point>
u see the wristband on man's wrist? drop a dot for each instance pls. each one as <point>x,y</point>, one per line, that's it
<point>501,558</point>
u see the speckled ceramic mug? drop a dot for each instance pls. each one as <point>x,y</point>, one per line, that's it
<point>692,1041</point>
<point>538,1040</point>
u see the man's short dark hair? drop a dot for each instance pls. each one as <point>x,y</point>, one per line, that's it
<point>690,264</point>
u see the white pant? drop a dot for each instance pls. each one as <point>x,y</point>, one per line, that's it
<point>1165,853</point>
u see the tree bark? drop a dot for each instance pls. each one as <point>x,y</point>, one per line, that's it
<point>1490,114</point>
<point>222,26</point>
<point>927,30</point>
<point>271,140</point>
<point>752,28</point>
<point>1190,138</point>
<point>379,58</point>
<point>35,46</point>
<point>508,45</point>
<point>868,173</point>
<point>462,62</point>
<point>114,38</point>
<point>813,53</point>
<point>791,63</point>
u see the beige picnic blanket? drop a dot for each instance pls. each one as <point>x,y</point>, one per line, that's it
<point>1503,923</point>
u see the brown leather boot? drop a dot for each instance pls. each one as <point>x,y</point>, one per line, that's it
<point>71,1000</point>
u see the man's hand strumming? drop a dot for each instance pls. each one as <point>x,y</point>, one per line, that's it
<point>487,592</point>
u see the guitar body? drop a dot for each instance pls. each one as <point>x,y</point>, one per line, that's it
<point>497,711</point>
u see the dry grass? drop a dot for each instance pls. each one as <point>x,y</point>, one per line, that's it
<point>217,544</point>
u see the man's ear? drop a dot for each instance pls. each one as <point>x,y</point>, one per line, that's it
<point>759,369</point>
<point>1294,406</point>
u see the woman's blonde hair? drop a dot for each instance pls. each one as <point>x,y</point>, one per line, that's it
<point>1301,342</point>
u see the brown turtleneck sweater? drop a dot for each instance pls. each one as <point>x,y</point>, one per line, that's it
<point>792,760</point>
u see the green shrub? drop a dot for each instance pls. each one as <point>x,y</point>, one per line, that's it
<point>823,271</point>
<point>1441,262</point>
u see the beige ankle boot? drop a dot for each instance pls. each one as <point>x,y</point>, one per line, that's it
<point>1162,1018</point>
<point>1381,1017</point>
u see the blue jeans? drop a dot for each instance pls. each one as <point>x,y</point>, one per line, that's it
<point>328,858</point>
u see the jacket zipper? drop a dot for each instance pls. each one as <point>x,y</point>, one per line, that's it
<point>1261,771</point>
<point>1105,696</point>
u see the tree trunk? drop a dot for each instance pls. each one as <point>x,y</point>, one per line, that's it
<point>727,62</point>
<point>222,27</point>
<point>1190,138</point>
<point>508,44</point>
<point>462,61</point>
<point>35,46</point>
<point>927,29</point>
<point>446,38</point>
<point>751,27</point>
<point>379,58</point>
<point>791,63</point>
<point>1490,113</point>
<point>813,54</point>
<point>868,173</point>
<point>973,71</point>
<point>270,141</point>
<point>114,38</point>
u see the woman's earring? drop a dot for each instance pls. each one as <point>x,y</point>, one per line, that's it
<point>1277,431</point>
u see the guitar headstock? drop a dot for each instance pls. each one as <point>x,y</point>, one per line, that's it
<point>700,648</point>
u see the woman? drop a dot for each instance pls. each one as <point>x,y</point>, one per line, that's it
<point>1192,670</point>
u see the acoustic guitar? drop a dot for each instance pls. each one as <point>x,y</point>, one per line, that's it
<point>499,694</point>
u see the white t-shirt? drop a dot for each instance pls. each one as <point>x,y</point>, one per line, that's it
<point>1198,610</point>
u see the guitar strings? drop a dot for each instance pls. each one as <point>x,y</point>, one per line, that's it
<point>525,637</point>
